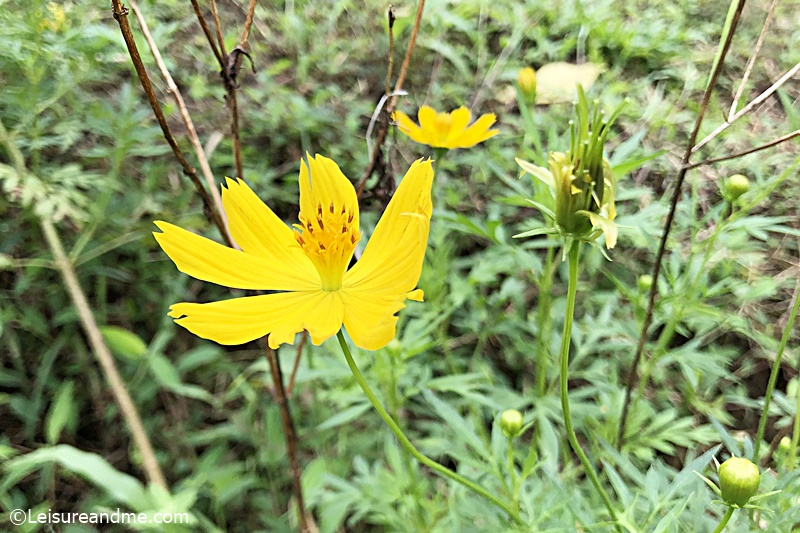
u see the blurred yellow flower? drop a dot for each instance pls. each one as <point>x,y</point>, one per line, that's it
<point>446,130</point>
<point>526,80</point>
<point>56,22</point>
<point>308,266</point>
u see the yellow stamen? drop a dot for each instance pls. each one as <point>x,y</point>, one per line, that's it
<point>329,249</point>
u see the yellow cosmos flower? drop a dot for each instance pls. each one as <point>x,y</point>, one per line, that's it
<point>446,130</point>
<point>308,265</point>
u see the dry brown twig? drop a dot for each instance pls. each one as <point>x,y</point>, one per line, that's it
<point>648,318</point>
<point>390,107</point>
<point>121,16</point>
<point>229,67</point>
<point>187,119</point>
<point>97,343</point>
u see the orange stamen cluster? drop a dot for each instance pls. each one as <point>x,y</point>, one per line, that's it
<point>328,238</point>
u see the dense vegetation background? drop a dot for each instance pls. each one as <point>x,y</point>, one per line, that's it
<point>98,165</point>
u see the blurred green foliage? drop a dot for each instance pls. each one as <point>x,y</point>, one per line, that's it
<point>97,164</point>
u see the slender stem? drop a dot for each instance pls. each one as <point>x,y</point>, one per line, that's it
<point>398,86</point>
<point>121,15</point>
<point>405,443</point>
<point>98,344</point>
<point>795,431</point>
<point>293,375</point>
<point>752,61</point>
<point>676,194</point>
<point>543,317</point>
<point>513,472</point>
<point>770,144</point>
<point>758,100</point>
<point>565,343</point>
<point>187,119</point>
<point>773,376</point>
<point>725,520</point>
<point>201,19</point>
<point>289,434</point>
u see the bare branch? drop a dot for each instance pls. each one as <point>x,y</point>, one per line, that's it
<point>398,86</point>
<point>758,100</point>
<point>668,224</point>
<point>121,16</point>
<point>770,144</point>
<point>187,119</point>
<point>752,60</point>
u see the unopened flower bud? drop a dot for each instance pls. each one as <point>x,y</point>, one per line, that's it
<point>739,479</point>
<point>511,423</point>
<point>645,282</point>
<point>785,444</point>
<point>735,186</point>
<point>526,79</point>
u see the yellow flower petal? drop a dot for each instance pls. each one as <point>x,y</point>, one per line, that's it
<point>207,260</point>
<point>392,260</point>
<point>460,118</point>
<point>410,128</point>
<point>427,119</point>
<point>325,186</point>
<point>280,315</point>
<point>478,132</point>
<point>257,230</point>
<point>370,320</point>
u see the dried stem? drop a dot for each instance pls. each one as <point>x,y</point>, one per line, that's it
<point>752,61</point>
<point>293,376</point>
<point>127,407</point>
<point>668,224</point>
<point>123,398</point>
<point>398,86</point>
<point>389,70</point>
<point>290,435</point>
<point>770,144</point>
<point>121,15</point>
<point>187,119</point>
<point>746,109</point>
<point>218,28</point>
<point>201,19</point>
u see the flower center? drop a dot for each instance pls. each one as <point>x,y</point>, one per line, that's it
<point>443,124</point>
<point>329,240</point>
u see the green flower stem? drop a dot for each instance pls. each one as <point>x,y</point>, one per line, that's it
<point>430,463</point>
<point>795,431</point>
<point>543,319</point>
<point>513,473</point>
<point>565,342</point>
<point>773,377</point>
<point>725,520</point>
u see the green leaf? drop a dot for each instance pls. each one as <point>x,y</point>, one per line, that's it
<point>457,423</point>
<point>120,486</point>
<point>60,412</point>
<point>343,417</point>
<point>123,342</point>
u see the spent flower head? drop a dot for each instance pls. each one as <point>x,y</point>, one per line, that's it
<point>580,180</point>
<point>308,268</point>
<point>446,130</point>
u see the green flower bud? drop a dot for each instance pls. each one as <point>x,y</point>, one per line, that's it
<point>511,423</point>
<point>645,282</point>
<point>785,444</point>
<point>735,186</point>
<point>739,479</point>
<point>526,79</point>
<point>581,180</point>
